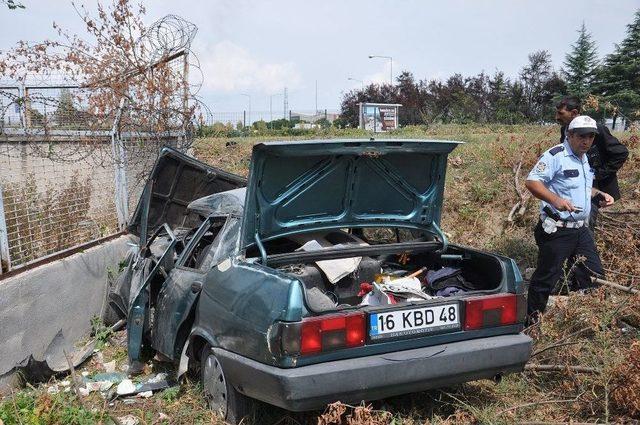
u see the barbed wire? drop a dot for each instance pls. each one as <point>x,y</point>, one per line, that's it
<point>168,36</point>
<point>46,110</point>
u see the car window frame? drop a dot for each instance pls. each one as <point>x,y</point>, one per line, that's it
<point>206,224</point>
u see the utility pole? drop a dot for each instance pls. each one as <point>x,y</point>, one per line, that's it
<point>249,96</point>
<point>316,111</point>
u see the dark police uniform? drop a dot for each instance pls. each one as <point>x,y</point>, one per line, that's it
<point>569,177</point>
<point>606,156</point>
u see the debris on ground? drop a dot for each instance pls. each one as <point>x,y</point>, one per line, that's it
<point>126,387</point>
<point>128,420</point>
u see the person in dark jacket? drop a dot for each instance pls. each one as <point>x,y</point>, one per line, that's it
<point>606,156</point>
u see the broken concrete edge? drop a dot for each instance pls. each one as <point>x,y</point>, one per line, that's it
<point>54,363</point>
<point>49,308</point>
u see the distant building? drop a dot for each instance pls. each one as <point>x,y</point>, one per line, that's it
<point>621,124</point>
<point>305,126</point>
<point>312,118</point>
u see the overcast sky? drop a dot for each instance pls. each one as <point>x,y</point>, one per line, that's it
<point>259,47</point>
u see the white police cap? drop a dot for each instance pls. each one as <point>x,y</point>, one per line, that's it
<point>583,124</point>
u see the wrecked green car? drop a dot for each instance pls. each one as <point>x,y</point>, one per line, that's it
<point>324,276</point>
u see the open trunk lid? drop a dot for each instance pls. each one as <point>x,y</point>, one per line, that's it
<point>319,185</point>
<point>175,180</point>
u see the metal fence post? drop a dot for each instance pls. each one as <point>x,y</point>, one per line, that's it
<point>22,106</point>
<point>5,259</point>
<point>120,161</point>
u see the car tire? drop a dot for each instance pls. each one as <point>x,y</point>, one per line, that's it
<point>220,395</point>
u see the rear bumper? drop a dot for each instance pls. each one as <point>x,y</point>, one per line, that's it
<point>375,377</point>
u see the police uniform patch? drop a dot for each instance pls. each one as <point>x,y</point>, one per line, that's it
<point>541,166</point>
<point>555,150</point>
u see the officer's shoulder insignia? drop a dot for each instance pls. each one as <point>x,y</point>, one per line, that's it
<point>556,149</point>
<point>541,166</point>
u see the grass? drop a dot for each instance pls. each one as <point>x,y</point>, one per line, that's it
<point>100,332</point>
<point>479,194</point>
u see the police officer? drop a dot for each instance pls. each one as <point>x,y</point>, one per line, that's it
<point>563,179</point>
<point>606,155</point>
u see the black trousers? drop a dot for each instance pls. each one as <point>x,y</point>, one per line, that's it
<point>555,254</point>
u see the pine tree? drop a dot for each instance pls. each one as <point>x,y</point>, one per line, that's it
<point>580,64</point>
<point>619,77</point>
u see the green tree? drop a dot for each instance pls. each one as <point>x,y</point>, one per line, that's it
<point>533,76</point>
<point>280,124</point>
<point>373,93</point>
<point>580,64</point>
<point>260,125</point>
<point>619,77</point>
<point>504,100</point>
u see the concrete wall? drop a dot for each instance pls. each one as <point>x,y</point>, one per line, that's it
<point>62,295</point>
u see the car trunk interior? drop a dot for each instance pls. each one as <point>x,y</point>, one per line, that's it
<point>460,271</point>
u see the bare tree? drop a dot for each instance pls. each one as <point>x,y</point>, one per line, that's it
<point>119,59</point>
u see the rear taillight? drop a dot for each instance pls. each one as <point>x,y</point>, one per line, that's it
<point>493,310</point>
<point>317,334</point>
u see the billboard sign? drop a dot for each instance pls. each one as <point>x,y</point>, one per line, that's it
<point>379,117</point>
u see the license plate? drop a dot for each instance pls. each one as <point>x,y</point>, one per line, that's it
<point>428,319</point>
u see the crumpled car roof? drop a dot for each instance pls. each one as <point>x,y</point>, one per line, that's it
<point>222,203</point>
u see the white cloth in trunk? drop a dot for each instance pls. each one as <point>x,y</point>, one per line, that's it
<point>333,269</point>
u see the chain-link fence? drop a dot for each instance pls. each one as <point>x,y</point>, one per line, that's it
<point>267,119</point>
<point>68,177</point>
<point>74,157</point>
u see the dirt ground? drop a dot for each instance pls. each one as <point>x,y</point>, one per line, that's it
<point>590,342</point>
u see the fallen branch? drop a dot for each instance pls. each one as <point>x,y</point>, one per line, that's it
<point>560,368</point>
<point>561,341</point>
<point>536,403</point>
<point>521,206</point>
<point>555,423</point>
<point>633,276</point>
<point>615,285</point>
<point>74,377</point>
<point>623,212</point>
<point>549,347</point>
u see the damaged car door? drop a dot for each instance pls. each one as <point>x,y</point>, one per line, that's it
<point>181,289</point>
<point>145,271</point>
<point>168,231</point>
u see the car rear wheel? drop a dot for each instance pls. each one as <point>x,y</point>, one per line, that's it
<point>220,395</point>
